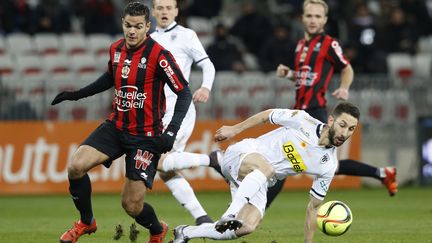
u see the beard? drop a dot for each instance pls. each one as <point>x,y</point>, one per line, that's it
<point>335,141</point>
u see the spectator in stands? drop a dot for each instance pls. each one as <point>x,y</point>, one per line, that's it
<point>399,35</point>
<point>276,49</point>
<point>99,17</point>
<point>419,15</point>
<point>362,29</point>
<point>52,16</point>
<point>224,52</point>
<point>252,28</point>
<point>15,16</point>
<point>206,9</point>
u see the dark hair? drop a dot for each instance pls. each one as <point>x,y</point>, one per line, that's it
<point>137,9</point>
<point>346,107</point>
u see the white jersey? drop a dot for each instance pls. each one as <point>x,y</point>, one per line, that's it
<point>293,148</point>
<point>184,45</point>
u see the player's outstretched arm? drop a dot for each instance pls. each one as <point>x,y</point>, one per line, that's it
<point>347,76</point>
<point>310,221</point>
<point>227,132</point>
<point>104,82</point>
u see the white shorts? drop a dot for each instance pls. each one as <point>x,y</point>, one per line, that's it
<point>186,127</point>
<point>230,165</point>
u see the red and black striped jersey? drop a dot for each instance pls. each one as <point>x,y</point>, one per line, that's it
<point>139,77</point>
<point>315,61</point>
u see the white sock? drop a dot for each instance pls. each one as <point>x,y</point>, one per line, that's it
<point>184,160</point>
<point>182,191</point>
<point>208,231</point>
<point>247,189</point>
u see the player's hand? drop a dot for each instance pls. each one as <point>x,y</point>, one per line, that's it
<point>65,95</point>
<point>201,95</point>
<point>341,94</point>
<point>166,141</point>
<point>282,71</point>
<point>224,133</point>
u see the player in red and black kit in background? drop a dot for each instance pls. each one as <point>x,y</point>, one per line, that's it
<point>138,69</point>
<point>316,58</point>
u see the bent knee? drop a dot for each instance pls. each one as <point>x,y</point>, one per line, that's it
<point>132,208</point>
<point>166,176</point>
<point>76,169</point>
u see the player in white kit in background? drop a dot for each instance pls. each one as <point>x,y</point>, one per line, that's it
<point>184,45</point>
<point>302,144</point>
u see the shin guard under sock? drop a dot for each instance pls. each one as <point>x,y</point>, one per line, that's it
<point>148,219</point>
<point>80,189</point>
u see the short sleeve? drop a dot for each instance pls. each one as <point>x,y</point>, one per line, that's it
<point>320,187</point>
<point>195,48</point>
<point>170,72</point>
<point>287,117</point>
<point>336,55</point>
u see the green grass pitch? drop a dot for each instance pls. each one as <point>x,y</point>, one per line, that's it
<point>377,217</point>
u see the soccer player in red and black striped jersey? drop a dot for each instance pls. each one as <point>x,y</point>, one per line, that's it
<point>138,69</point>
<point>317,56</point>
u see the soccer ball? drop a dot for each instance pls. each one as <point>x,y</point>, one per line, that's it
<point>334,218</point>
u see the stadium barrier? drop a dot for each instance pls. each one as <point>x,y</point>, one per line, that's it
<point>34,156</point>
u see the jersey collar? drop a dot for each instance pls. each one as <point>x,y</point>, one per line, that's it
<point>167,29</point>
<point>319,129</point>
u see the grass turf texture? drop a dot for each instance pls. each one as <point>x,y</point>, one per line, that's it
<point>377,217</point>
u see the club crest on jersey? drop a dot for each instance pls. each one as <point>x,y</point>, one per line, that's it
<point>126,69</point>
<point>317,47</point>
<point>325,159</point>
<point>142,63</point>
<point>116,57</point>
<point>174,36</point>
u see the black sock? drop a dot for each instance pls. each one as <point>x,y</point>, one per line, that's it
<point>355,168</point>
<point>80,189</point>
<point>273,191</point>
<point>149,220</point>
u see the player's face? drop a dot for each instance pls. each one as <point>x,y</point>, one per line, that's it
<point>341,128</point>
<point>314,18</point>
<point>135,29</point>
<point>164,12</point>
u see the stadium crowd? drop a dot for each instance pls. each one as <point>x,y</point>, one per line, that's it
<point>368,29</point>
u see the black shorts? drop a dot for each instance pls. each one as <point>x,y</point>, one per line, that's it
<point>141,155</point>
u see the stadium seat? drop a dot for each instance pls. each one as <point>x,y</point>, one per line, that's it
<point>99,44</point>
<point>102,62</point>
<point>377,108</point>
<point>83,64</point>
<point>251,61</point>
<point>20,44</point>
<point>200,25</point>
<point>423,65</point>
<point>7,66</point>
<point>403,109</point>
<point>12,84</point>
<point>72,44</point>
<point>58,82</point>
<point>29,66</point>
<point>425,44</point>
<point>47,43</point>
<point>56,64</point>
<point>2,45</point>
<point>400,68</point>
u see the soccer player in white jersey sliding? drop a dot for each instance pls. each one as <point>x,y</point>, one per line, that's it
<point>302,144</point>
<point>184,45</point>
